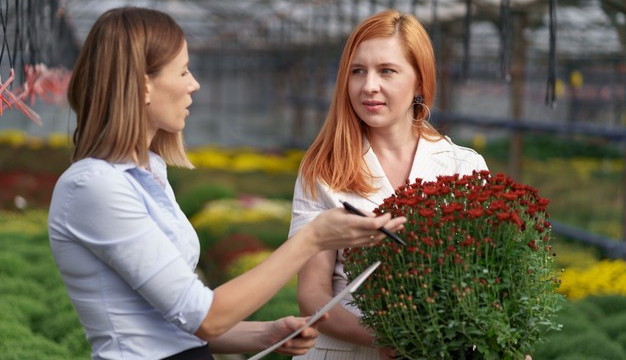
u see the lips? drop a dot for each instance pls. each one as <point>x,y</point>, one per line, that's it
<point>373,105</point>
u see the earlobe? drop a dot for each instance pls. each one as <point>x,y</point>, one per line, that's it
<point>419,89</point>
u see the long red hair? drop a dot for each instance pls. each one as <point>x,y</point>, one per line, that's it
<point>336,156</point>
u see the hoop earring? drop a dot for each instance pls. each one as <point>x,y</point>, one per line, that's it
<point>419,101</point>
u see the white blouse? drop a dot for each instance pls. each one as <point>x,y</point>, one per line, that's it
<point>127,255</point>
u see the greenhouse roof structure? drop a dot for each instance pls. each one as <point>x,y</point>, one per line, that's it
<point>584,26</point>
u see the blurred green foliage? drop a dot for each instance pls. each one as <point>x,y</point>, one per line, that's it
<point>593,328</point>
<point>544,146</point>
<point>272,233</point>
<point>37,320</point>
<point>269,185</point>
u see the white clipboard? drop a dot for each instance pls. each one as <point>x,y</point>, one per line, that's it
<point>329,305</point>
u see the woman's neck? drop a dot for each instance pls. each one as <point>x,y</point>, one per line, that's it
<point>395,153</point>
<point>399,144</point>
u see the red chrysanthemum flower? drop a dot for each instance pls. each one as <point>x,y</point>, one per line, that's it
<point>476,250</point>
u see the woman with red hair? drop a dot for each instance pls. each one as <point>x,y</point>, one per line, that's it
<point>375,137</point>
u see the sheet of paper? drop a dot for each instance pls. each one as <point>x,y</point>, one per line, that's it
<point>329,305</point>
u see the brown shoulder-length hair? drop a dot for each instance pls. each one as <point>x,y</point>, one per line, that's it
<point>336,157</point>
<point>107,88</point>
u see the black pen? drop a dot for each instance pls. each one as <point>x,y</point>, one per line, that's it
<point>389,234</point>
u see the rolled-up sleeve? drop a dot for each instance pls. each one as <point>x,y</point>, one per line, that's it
<point>108,216</point>
<point>182,299</point>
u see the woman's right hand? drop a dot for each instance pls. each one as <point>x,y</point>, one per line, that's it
<point>336,229</point>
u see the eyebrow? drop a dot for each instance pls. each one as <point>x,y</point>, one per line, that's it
<point>385,64</point>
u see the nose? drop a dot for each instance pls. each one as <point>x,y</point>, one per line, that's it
<point>372,83</point>
<point>194,85</point>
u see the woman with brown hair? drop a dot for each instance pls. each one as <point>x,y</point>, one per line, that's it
<point>124,248</point>
<point>376,137</point>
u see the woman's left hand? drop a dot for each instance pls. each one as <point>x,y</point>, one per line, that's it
<point>300,344</point>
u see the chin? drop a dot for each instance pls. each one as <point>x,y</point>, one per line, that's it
<point>175,130</point>
<point>373,123</point>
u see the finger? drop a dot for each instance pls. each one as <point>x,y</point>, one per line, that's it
<point>320,320</point>
<point>291,352</point>
<point>381,220</point>
<point>375,238</point>
<point>396,224</point>
<point>296,347</point>
<point>295,323</point>
<point>299,343</point>
<point>298,322</point>
<point>385,221</point>
<point>369,238</point>
<point>368,223</point>
<point>308,333</point>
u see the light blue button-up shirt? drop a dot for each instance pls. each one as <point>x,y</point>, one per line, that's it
<point>127,255</point>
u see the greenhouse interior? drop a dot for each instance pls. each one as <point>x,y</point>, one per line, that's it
<point>534,89</point>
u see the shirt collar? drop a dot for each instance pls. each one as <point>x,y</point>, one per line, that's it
<point>124,166</point>
<point>156,164</point>
<point>435,146</point>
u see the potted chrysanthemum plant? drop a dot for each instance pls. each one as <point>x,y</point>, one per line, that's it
<point>476,280</point>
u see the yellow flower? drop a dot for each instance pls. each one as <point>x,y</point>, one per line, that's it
<point>59,140</point>
<point>576,79</point>
<point>604,278</point>
<point>209,158</point>
<point>218,214</point>
<point>479,141</point>
<point>29,222</point>
<point>245,160</point>
<point>13,138</point>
